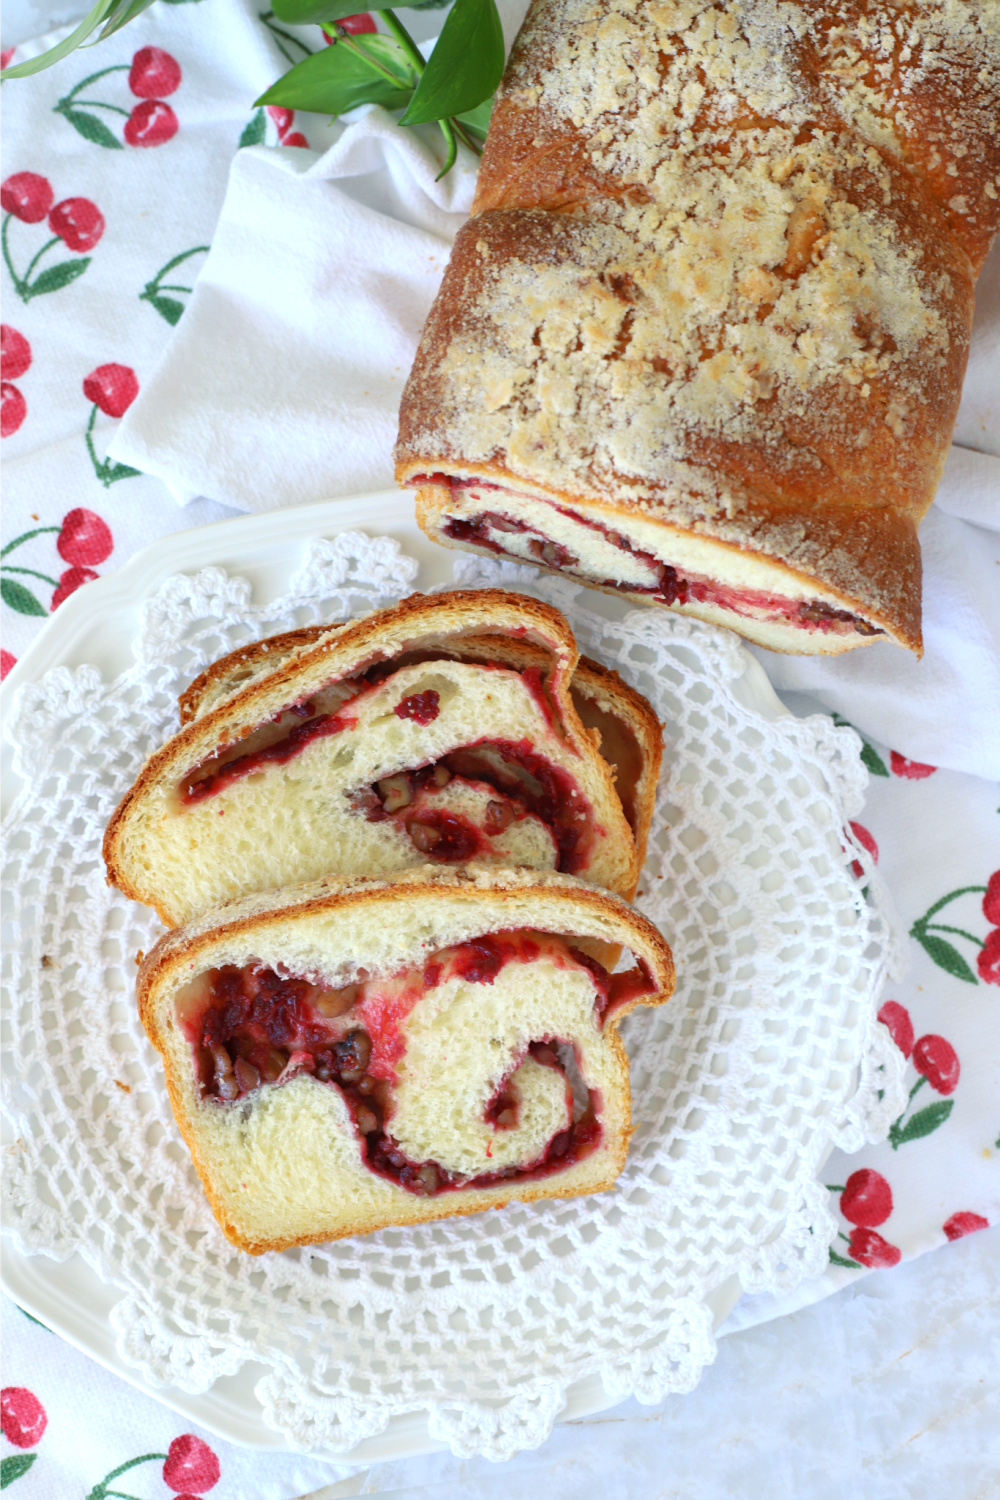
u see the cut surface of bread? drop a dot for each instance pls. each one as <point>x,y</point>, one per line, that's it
<point>703,338</point>
<point>347,1055</point>
<point>453,727</point>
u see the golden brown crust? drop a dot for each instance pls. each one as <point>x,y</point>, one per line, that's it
<point>635,782</point>
<point>417,622</point>
<point>746,320</point>
<point>178,952</point>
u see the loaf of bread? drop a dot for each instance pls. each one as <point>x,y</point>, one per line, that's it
<point>352,1054</point>
<point>702,341</point>
<point>451,727</point>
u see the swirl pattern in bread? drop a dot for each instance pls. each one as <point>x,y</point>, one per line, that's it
<point>353,1054</point>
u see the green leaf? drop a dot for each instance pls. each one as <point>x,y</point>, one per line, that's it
<point>839,1260</point>
<point>944,955</point>
<point>301,12</point>
<point>122,14</point>
<point>479,118</point>
<point>253,134</point>
<point>465,66</point>
<point>167,307</point>
<point>13,1466</point>
<point>69,44</point>
<point>428,4</point>
<point>339,78</point>
<point>92,129</point>
<point>56,277</point>
<point>922,1123</point>
<point>18,597</point>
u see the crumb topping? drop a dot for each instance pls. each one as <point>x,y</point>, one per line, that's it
<point>764,279</point>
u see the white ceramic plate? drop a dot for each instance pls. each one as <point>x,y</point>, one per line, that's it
<point>97,624</point>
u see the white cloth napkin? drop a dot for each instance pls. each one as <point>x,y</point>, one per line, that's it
<point>321,273</point>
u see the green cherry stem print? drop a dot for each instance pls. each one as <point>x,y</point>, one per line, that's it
<point>152,74</point>
<point>112,389</point>
<point>190,1467</point>
<point>84,540</point>
<point>945,954</point>
<point>75,222</point>
<point>169,307</point>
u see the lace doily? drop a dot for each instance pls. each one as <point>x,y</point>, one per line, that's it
<point>768,1055</point>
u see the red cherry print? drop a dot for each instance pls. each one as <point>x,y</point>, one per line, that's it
<point>282,118</point>
<point>362,24</point>
<point>27,196</point>
<point>915,770</point>
<point>13,409</point>
<point>991,901</point>
<point>866,1199</point>
<point>866,841</point>
<point>154,73</point>
<point>113,388</point>
<point>191,1465</point>
<point>15,353</point>
<point>871,1249</point>
<point>295,138</point>
<point>151,123</point>
<point>69,582</point>
<point>84,538</point>
<point>78,223</point>
<point>897,1018</point>
<point>964,1223</point>
<point>7,660</point>
<point>988,961</point>
<point>22,1415</point>
<point>938,1061</point>
<point>6,55</point>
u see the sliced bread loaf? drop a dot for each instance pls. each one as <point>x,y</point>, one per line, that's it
<point>452,727</point>
<point>357,1053</point>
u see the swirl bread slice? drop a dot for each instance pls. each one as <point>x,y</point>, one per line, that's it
<point>450,727</point>
<point>352,1054</point>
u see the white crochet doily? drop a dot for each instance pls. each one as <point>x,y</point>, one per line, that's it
<point>769,1054</point>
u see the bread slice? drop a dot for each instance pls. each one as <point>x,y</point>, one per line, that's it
<point>450,727</point>
<point>351,1054</point>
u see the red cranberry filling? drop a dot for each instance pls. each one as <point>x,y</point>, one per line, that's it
<point>422,708</point>
<point>218,772</point>
<point>525,782</point>
<point>671,586</point>
<point>257,1027</point>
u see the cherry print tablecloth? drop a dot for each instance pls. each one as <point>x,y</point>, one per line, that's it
<point>115,168</point>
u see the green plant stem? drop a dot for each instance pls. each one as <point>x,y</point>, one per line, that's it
<point>452,145</point>
<point>9,568</point>
<point>344,38</point>
<point>267,16</point>
<point>466,136</point>
<point>26,537</point>
<point>396,28</point>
